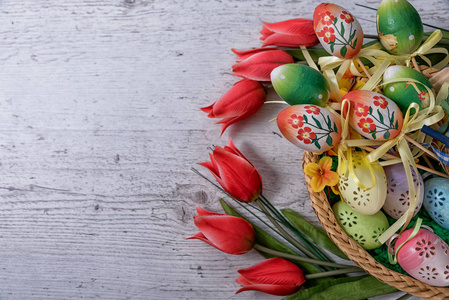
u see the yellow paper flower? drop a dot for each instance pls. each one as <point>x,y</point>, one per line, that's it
<point>321,174</point>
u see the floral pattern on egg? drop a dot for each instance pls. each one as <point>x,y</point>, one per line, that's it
<point>373,115</point>
<point>425,257</point>
<point>310,127</point>
<point>338,31</point>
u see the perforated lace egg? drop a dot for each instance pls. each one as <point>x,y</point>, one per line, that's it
<point>397,201</point>
<point>367,202</point>
<point>365,230</point>
<point>436,200</point>
<point>425,257</point>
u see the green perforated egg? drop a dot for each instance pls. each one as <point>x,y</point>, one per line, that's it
<point>365,230</point>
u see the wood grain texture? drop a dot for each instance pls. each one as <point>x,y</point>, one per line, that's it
<point>100,126</point>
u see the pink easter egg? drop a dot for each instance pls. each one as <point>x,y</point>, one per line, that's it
<point>397,201</point>
<point>310,127</point>
<point>425,257</point>
<point>338,31</point>
<point>373,115</point>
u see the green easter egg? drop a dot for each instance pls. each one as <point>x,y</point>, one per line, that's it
<point>406,92</point>
<point>399,26</point>
<point>365,230</point>
<point>300,84</point>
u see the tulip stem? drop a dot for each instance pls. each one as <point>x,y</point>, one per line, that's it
<point>300,258</point>
<point>332,273</point>
<point>317,251</point>
<point>285,234</point>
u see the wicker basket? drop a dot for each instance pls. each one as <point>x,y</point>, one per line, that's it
<point>357,254</point>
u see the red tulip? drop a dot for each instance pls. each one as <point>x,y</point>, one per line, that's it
<point>244,99</point>
<point>275,276</point>
<point>259,66</point>
<point>291,33</point>
<point>235,173</point>
<point>232,235</point>
<point>244,54</point>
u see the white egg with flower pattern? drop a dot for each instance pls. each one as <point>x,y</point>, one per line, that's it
<point>310,127</point>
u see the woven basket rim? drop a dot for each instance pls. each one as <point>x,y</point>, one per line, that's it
<point>322,208</point>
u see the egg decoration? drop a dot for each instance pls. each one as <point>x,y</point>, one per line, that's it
<point>310,127</point>
<point>338,30</point>
<point>425,257</point>
<point>365,230</point>
<point>436,200</point>
<point>399,26</point>
<point>373,115</point>
<point>300,84</point>
<point>397,201</point>
<point>367,202</point>
<point>406,92</point>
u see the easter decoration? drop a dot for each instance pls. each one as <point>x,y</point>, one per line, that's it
<point>372,122</point>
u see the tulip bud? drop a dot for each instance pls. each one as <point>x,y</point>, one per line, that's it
<point>291,33</point>
<point>230,234</point>
<point>244,99</point>
<point>275,276</point>
<point>235,173</point>
<point>259,66</point>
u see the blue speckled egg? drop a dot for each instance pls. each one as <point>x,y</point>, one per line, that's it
<point>436,200</point>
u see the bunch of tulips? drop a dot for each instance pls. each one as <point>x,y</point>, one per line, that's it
<point>299,267</point>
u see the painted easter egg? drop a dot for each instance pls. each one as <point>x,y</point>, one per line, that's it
<point>397,201</point>
<point>373,115</point>
<point>310,127</point>
<point>300,84</point>
<point>367,202</point>
<point>406,92</point>
<point>365,230</point>
<point>425,257</point>
<point>399,26</point>
<point>338,31</point>
<point>436,200</point>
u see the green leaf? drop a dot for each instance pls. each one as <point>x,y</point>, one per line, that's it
<point>305,294</point>
<point>335,127</point>
<point>373,134</point>
<point>317,122</point>
<point>329,140</point>
<point>335,21</point>
<point>332,46</point>
<point>329,123</point>
<point>370,110</point>
<point>352,36</point>
<point>342,30</point>
<point>396,125</point>
<point>387,135</point>
<point>343,51</point>
<point>305,118</point>
<point>366,287</point>
<point>392,119</point>
<point>354,43</point>
<point>381,117</point>
<point>314,234</point>
<point>266,240</point>
<point>317,144</point>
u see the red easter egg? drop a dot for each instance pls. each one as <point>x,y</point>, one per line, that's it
<point>338,30</point>
<point>373,115</point>
<point>310,127</point>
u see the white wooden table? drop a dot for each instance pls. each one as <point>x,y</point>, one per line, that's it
<point>100,126</point>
